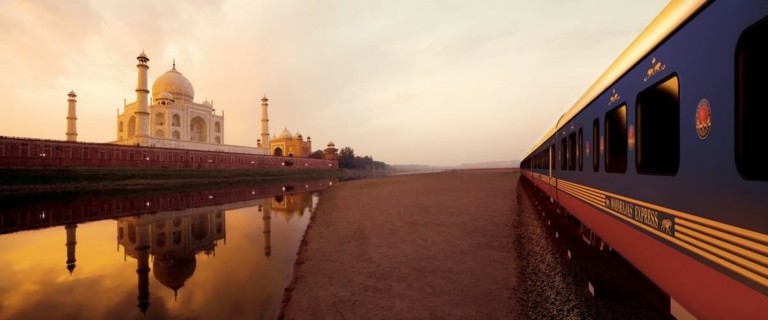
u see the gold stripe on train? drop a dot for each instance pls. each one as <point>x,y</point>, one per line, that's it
<point>698,250</point>
<point>728,265</point>
<point>736,251</point>
<point>744,233</point>
<point>758,247</point>
<point>762,269</point>
<point>591,198</point>
<point>724,236</point>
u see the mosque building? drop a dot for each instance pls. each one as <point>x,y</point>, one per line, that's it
<point>289,145</point>
<point>170,118</point>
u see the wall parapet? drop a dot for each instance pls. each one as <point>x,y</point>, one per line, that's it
<point>189,145</point>
<point>41,153</point>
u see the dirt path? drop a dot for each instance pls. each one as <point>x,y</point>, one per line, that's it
<point>430,246</point>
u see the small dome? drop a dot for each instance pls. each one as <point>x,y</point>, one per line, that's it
<point>174,83</point>
<point>207,103</point>
<point>72,93</point>
<point>285,134</point>
<point>330,144</point>
<point>164,95</point>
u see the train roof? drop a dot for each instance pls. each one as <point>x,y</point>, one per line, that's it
<point>674,14</point>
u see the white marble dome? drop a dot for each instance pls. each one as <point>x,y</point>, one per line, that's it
<point>285,134</point>
<point>164,95</point>
<point>174,83</point>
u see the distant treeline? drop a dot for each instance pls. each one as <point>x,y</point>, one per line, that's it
<point>348,160</point>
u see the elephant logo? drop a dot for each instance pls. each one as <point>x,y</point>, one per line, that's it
<point>614,97</point>
<point>666,226</point>
<point>656,67</point>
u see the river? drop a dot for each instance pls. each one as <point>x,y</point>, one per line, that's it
<point>220,253</point>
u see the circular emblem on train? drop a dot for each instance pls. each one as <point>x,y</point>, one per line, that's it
<point>631,139</point>
<point>703,119</point>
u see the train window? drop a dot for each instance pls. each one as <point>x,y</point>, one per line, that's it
<point>572,151</point>
<point>658,128</point>
<point>564,154</point>
<point>596,145</point>
<point>616,140</point>
<point>580,149</point>
<point>751,67</point>
<point>540,162</point>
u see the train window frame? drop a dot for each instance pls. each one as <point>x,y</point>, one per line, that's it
<point>564,154</point>
<point>580,149</point>
<point>657,120</point>
<point>596,145</point>
<point>572,151</point>
<point>750,113</point>
<point>551,158</point>
<point>615,154</point>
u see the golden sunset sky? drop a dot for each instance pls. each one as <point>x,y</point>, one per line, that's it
<point>436,82</point>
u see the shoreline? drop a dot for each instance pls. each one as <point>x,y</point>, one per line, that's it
<point>31,182</point>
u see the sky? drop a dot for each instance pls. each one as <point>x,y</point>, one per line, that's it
<point>433,82</point>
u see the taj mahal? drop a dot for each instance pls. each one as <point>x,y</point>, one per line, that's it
<point>170,118</point>
<point>167,129</point>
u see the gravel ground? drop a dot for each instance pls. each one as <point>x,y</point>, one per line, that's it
<point>469,244</point>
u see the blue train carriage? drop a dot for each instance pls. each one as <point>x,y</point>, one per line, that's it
<point>661,158</point>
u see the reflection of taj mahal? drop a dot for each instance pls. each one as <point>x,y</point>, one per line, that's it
<point>172,241</point>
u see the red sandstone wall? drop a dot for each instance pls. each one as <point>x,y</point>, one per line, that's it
<point>34,153</point>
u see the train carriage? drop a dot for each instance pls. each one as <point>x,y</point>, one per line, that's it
<point>661,158</point>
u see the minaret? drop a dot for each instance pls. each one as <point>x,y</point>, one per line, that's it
<point>71,242</point>
<point>72,117</point>
<point>264,123</point>
<point>142,93</point>
<point>142,259</point>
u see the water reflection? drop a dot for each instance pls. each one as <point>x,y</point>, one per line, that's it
<point>203,254</point>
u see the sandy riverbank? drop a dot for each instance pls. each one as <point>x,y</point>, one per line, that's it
<point>427,246</point>
<point>15,182</point>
